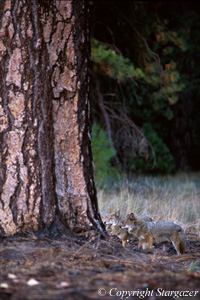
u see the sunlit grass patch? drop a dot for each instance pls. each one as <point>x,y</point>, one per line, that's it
<point>169,198</point>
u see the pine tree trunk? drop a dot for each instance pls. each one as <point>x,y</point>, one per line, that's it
<point>46,170</point>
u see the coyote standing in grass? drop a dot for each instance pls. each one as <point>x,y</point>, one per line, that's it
<point>116,221</point>
<point>159,232</point>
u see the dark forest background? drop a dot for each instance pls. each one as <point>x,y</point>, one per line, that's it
<point>145,87</point>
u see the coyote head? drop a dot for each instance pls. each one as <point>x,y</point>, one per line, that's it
<point>115,214</point>
<point>114,217</point>
<point>130,219</point>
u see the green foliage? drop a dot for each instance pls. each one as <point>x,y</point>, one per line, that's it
<point>160,47</point>
<point>170,38</point>
<point>163,88</point>
<point>194,266</point>
<point>164,160</point>
<point>103,152</point>
<point>111,64</point>
<point>169,83</point>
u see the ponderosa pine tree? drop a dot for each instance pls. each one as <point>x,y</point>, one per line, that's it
<point>46,170</point>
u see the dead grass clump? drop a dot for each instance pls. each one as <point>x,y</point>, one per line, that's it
<point>169,198</point>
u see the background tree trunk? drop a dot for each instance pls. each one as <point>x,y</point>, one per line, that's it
<point>182,145</point>
<point>45,143</point>
<point>181,134</point>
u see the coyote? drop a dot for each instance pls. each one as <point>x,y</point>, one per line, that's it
<point>116,222</point>
<point>142,241</point>
<point>115,218</point>
<point>121,232</point>
<point>159,232</point>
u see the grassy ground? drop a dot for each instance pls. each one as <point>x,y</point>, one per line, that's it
<point>34,267</point>
<point>169,198</point>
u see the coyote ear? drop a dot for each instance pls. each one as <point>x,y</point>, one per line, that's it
<point>111,211</point>
<point>132,217</point>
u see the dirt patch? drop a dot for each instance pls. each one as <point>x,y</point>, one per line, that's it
<point>74,268</point>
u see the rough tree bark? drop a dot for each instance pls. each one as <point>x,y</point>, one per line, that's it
<point>46,170</point>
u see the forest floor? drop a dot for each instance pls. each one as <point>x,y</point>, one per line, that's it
<point>75,268</point>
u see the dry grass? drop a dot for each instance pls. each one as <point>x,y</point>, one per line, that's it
<point>170,198</point>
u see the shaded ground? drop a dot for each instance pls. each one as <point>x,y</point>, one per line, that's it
<point>73,268</point>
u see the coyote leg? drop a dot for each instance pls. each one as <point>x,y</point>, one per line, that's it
<point>143,244</point>
<point>123,243</point>
<point>177,247</point>
<point>164,246</point>
<point>150,241</point>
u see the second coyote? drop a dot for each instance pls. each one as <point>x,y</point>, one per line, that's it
<point>159,232</point>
